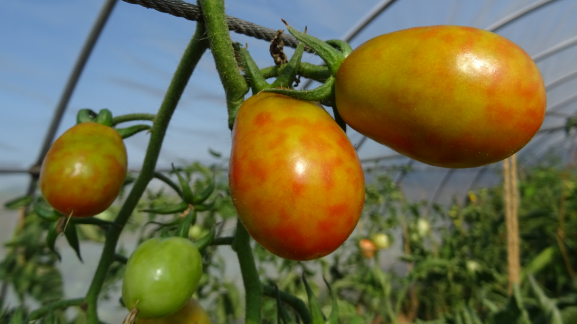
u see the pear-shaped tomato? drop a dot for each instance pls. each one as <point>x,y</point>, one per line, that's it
<point>448,96</point>
<point>190,313</point>
<point>295,179</point>
<point>84,170</point>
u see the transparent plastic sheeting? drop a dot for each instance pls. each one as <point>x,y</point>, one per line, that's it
<point>132,63</point>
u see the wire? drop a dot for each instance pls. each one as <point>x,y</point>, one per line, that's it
<point>189,11</point>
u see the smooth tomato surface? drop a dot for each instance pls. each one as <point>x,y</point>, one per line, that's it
<point>161,274</point>
<point>84,170</point>
<point>295,179</point>
<point>190,313</point>
<point>448,96</point>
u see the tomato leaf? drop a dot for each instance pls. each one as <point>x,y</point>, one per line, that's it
<point>72,237</point>
<point>18,202</point>
<point>186,222</point>
<point>17,317</point>
<point>334,316</point>
<point>282,313</point>
<point>51,239</point>
<point>47,214</point>
<point>214,153</point>
<point>317,316</point>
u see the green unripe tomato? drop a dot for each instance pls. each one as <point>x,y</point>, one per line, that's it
<point>161,275</point>
<point>381,241</point>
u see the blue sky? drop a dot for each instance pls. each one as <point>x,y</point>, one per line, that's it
<point>133,61</point>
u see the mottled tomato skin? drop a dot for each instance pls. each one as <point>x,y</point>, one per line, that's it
<point>448,96</point>
<point>161,275</point>
<point>84,170</point>
<point>295,179</point>
<point>190,313</point>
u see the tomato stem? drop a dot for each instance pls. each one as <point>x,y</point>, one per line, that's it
<point>296,303</point>
<point>132,117</point>
<point>235,86</point>
<point>250,278</point>
<point>190,58</point>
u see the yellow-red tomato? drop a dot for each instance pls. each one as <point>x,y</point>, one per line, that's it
<point>84,170</point>
<point>368,248</point>
<point>295,179</point>
<point>448,96</point>
<point>190,313</point>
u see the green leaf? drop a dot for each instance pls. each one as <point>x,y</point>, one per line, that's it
<point>214,153</point>
<point>547,305</point>
<point>17,317</point>
<point>16,203</point>
<point>316,313</point>
<point>51,239</point>
<point>282,313</point>
<point>47,214</point>
<point>538,263</point>
<point>334,316</point>
<point>72,237</point>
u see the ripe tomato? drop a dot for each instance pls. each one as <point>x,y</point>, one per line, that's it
<point>84,170</point>
<point>368,248</point>
<point>161,274</point>
<point>448,96</point>
<point>295,179</point>
<point>190,313</point>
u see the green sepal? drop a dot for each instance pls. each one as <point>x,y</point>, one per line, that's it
<point>18,202</point>
<point>71,235</point>
<point>322,93</point>
<point>47,214</point>
<point>289,73</point>
<point>334,316</point>
<point>132,130</point>
<point>253,75</point>
<point>104,117</point>
<point>343,46</point>
<point>169,182</point>
<point>307,70</point>
<point>167,210</point>
<point>51,239</point>
<point>203,242</point>
<point>205,207</point>
<point>316,313</point>
<point>186,190</point>
<point>281,311</point>
<point>332,57</point>
<point>205,193</point>
<point>186,223</point>
<point>85,115</point>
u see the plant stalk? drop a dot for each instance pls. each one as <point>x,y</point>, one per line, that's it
<point>190,58</point>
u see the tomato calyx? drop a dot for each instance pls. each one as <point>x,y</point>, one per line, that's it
<point>104,117</point>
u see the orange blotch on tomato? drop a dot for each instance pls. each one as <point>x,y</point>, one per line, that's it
<point>310,168</point>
